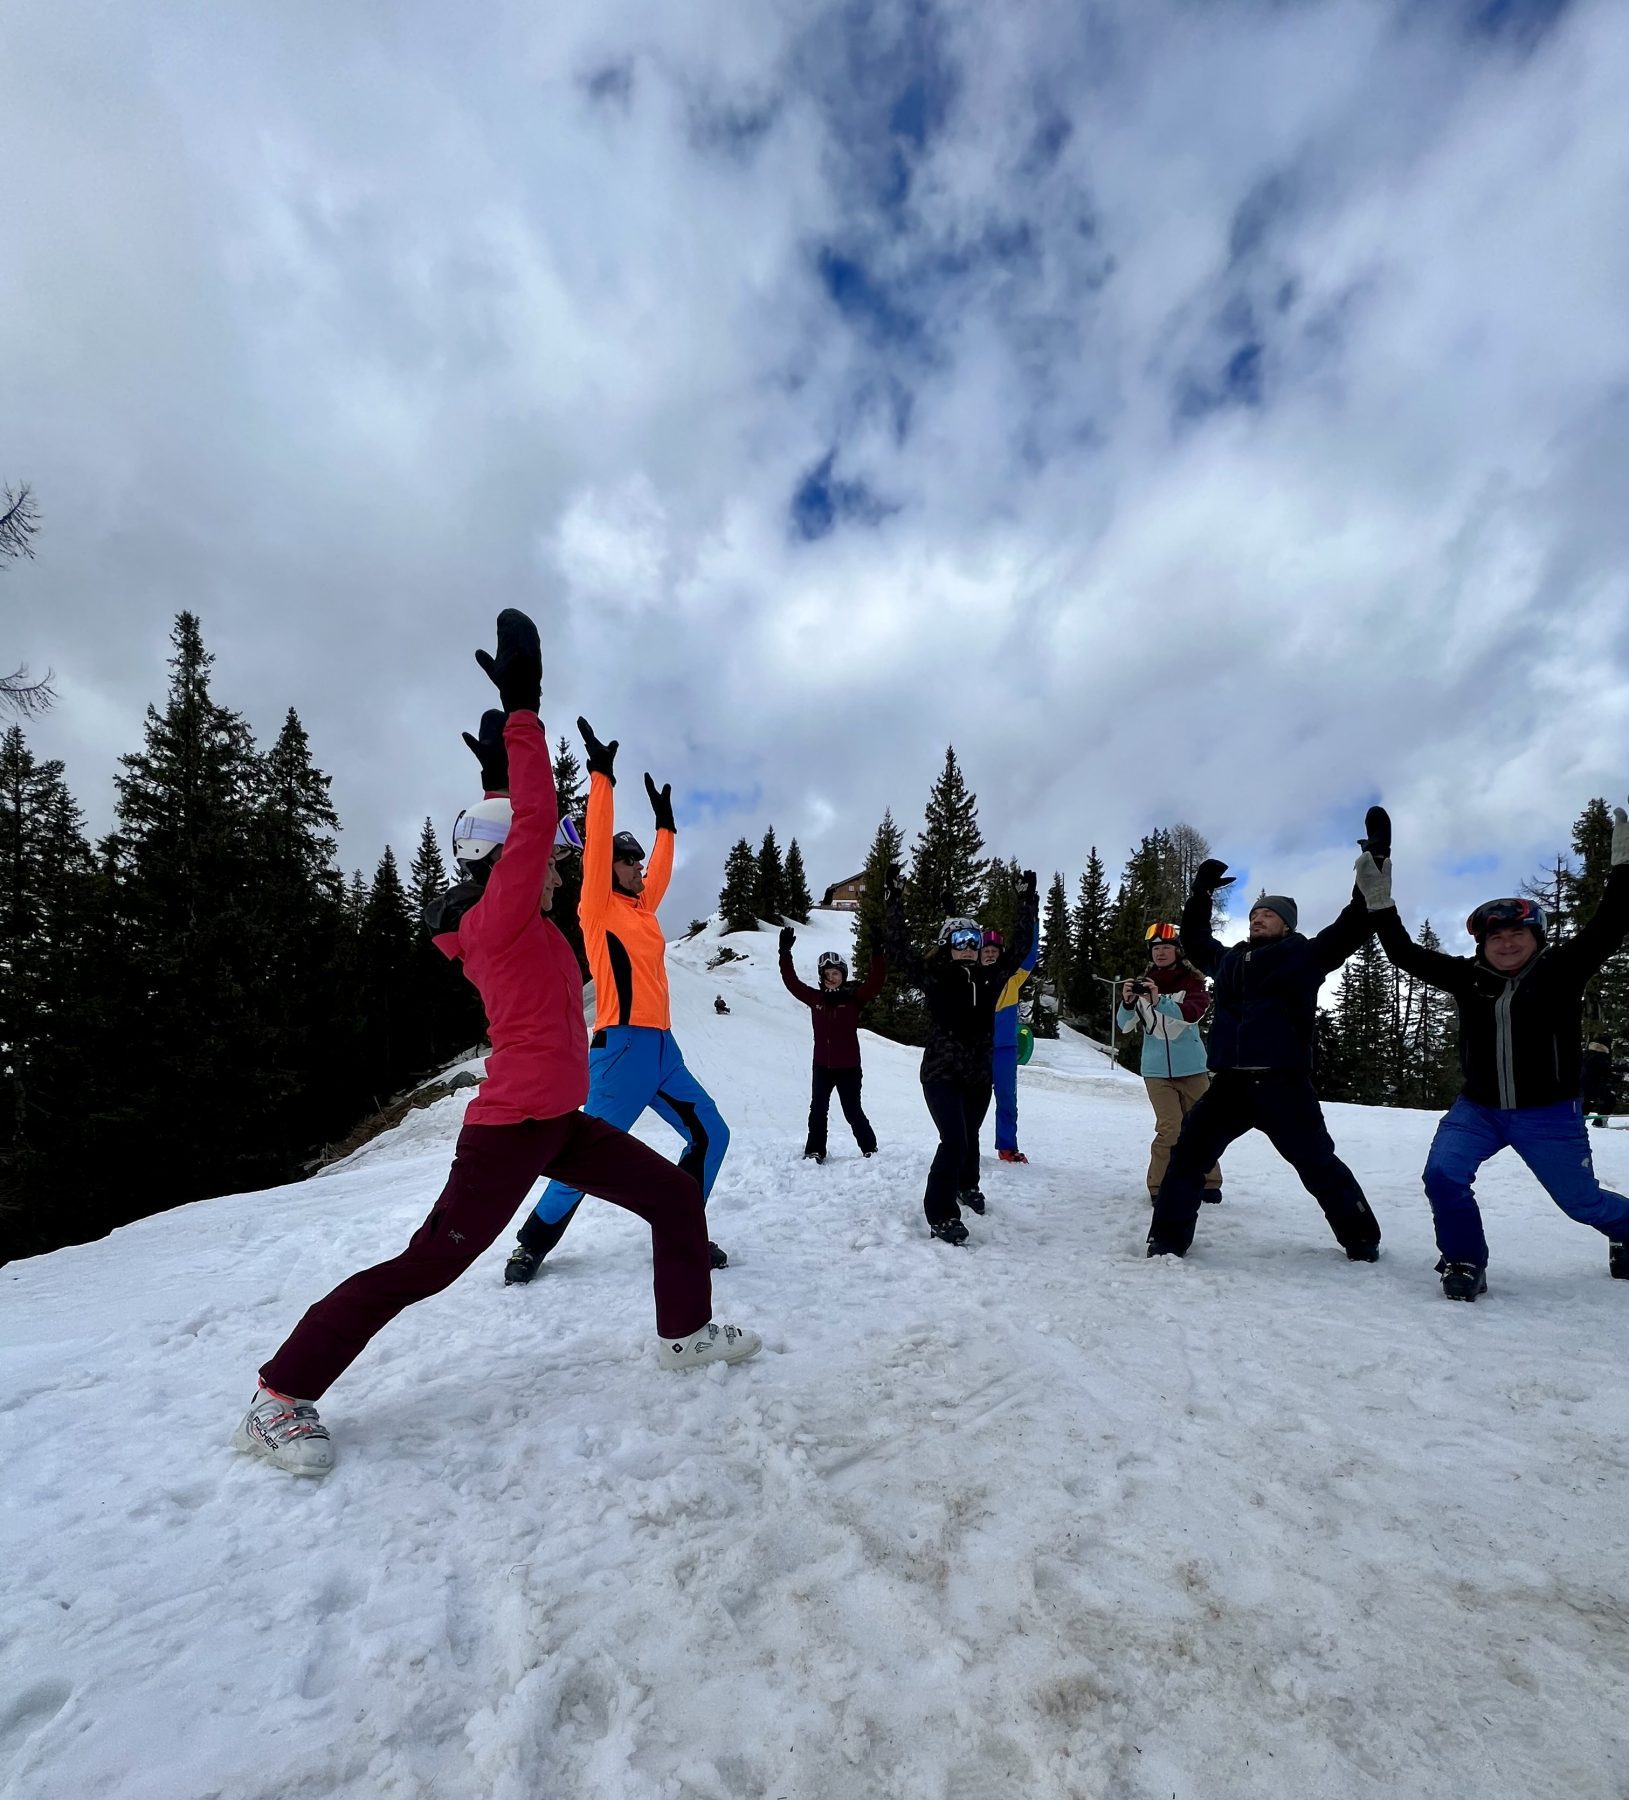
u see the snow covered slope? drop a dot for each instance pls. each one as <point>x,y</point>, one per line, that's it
<point>1035,1518</point>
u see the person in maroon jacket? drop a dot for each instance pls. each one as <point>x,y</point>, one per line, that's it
<point>524,1121</point>
<point>835,1008</point>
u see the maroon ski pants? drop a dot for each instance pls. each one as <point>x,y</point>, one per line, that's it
<point>494,1169</point>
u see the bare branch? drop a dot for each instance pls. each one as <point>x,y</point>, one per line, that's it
<point>27,699</point>
<point>19,520</point>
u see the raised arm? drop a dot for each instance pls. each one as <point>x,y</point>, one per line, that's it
<point>659,869</point>
<point>1603,933</point>
<point>1343,936</point>
<point>1020,953</point>
<point>875,977</point>
<point>797,989</point>
<point>1199,943</point>
<point>514,891</point>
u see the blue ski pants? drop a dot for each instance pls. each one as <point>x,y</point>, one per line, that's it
<point>1554,1143</point>
<point>630,1068</point>
<point>1004,1071</point>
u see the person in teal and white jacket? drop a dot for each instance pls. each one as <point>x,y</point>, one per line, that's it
<point>1166,1003</point>
<point>1004,1057</point>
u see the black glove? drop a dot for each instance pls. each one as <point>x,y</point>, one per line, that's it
<point>788,938</point>
<point>1029,884</point>
<point>517,670</point>
<point>601,757</point>
<point>1211,875</point>
<point>892,881</point>
<point>661,802</point>
<point>1376,837</point>
<point>491,752</point>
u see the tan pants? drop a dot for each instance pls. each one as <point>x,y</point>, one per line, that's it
<point>1172,1097</point>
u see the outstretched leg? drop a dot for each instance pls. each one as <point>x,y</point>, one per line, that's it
<point>1466,1137</point>
<point>1554,1143</point>
<point>691,1111</point>
<point>1288,1113</point>
<point>1224,1112</point>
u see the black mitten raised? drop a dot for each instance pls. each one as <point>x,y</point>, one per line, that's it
<point>517,670</point>
<point>788,938</point>
<point>1376,837</point>
<point>601,757</point>
<point>661,803</point>
<point>491,752</point>
<point>1211,875</point>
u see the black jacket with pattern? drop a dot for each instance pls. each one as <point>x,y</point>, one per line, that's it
<point>1521,1035</point>
<point>961,998</point>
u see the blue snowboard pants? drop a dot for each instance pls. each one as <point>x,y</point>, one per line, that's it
<point>1004,1072</point>
<point>630,1068</point>
<point>1554,1143</point>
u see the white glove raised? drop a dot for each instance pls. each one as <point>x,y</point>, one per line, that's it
<point>1373,881</point>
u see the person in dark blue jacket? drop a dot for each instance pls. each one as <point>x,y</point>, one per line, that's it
<point>1266,1004</point>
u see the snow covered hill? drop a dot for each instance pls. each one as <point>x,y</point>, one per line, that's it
<point>1035,1518</point>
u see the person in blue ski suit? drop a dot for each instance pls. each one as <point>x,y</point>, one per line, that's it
<point>634,1061</point>
<point>1004,1057</point>
<point>1520,999</point>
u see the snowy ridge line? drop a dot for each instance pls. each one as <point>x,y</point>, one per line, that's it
<point>1037,1518</point>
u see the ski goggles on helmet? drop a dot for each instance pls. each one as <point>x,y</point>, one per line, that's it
<point>625,847</point>
<point>992,939</point>
<point>567,836</point>
<point>1505,915</point>
<point>829,959</point>
<point>1162,934</point>
<point>964,937</point>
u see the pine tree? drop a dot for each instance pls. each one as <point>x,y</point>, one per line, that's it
<point>1606,999</point>
<point>392,1039</point>
<point>897,1012</point>
<point>1147,895</point>
<point>1057,948</point>
<point>737,899</point>
<point>1366,1014</point>
<point>45,1098</point>
<point>797,900</point>
<point>1084,996</point>
<point>427,874</point>
<point>769,892</point>
<point>947,868</point>
<point>998,905</point>
<point>572,792</point>
<point>186,808</point>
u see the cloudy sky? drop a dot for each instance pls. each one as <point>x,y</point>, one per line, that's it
<point>1214,411</point>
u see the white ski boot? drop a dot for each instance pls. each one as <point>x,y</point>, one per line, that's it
<point>286,1432</point>
<point>712,1344</point>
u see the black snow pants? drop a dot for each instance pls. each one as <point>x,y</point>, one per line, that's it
<point>1281,1104</point>
<point>958,1111</point>
<point>846,1082</point>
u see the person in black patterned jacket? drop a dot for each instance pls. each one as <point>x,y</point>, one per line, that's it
<point>961,994</point>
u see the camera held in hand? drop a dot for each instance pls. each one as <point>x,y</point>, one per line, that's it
<point>1144,990</point>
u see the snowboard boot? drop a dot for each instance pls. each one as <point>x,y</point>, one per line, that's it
<point>716,1259</point>
<point>1211,1196</point>
<point>712,1344</point>
<point>814,1155</point>
<point>286,1432</point>
<point>949,1231</point>
<point>1363,1253</point>
<point>522,1265</point>
<point>1462,1280</point>
<point>973,1200</point>
<point>871,1152</point>
<point>1159,1247</point>
<point>1014,1156</point>
<point>1617,1258</point>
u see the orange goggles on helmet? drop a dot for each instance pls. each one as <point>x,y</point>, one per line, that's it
<point>1162,934</point>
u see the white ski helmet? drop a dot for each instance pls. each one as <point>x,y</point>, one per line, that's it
<point>478,830</point>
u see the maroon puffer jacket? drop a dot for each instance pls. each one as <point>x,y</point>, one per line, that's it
<point>836,1012</point>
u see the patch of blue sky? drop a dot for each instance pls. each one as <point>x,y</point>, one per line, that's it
<point>1483,863</point>
<point>822,501</point>
<point>696,805</point>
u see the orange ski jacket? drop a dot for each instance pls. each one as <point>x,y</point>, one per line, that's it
<point>627,954</point>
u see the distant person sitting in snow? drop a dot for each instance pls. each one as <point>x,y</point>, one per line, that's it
<point>524,1120</point>
<point>1004,1055</point>
<point>1519,999</point>
<point>634,1061</point>
<point>720,1005</point>
<point>961,994</point>
<point>834,1007</point>
<point>1166,1003</point>
<point>1266,996</point>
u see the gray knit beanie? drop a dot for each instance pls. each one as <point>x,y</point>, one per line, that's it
<point>1281,904</point>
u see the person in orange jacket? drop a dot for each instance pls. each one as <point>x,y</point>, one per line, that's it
<point>633,1060</point>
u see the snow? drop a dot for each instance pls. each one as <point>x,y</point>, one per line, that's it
<point>1035,1518</point>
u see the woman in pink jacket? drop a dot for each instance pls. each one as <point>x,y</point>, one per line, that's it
<point>524,1122</point>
